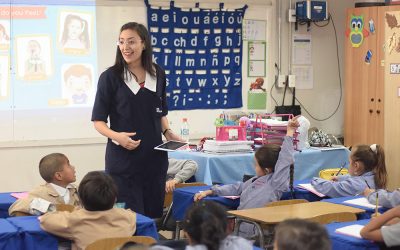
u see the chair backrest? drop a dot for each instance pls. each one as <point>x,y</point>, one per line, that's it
<point>65,207</point>
<point>168,196</point>
<point>285,202</point>
<point>334,217</point>
<point>113,243</point>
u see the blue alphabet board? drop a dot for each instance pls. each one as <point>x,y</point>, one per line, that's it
<point>201,52</point>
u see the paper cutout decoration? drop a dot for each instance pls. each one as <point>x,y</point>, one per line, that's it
<point>356,32</point>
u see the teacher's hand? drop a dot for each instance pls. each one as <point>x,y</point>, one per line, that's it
<point>124,139</point>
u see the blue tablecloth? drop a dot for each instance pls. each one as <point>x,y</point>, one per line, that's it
<point>229,168</point>
<point>146,226</point>
<point>9,236</point>
<point>344,242</point>
<point>6,200</point>
<point>183,198</point>
<point>368,211</point>
<point>300,193</point>
<point>32,236</point>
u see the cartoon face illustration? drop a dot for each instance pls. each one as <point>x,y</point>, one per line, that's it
<point>356,32</point>
<point>78,79</point>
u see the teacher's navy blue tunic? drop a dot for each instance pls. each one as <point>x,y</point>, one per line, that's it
<point>140,173</point>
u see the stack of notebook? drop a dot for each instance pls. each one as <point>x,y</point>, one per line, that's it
<point>226,147</point>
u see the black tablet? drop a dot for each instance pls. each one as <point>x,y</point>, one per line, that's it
<point>171,145</point>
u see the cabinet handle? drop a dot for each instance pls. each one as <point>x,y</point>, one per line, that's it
<point>370,111</point>
<point>372,99</point>
<point>378,111</point>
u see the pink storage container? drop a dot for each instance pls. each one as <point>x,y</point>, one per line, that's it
<point>231,133</point>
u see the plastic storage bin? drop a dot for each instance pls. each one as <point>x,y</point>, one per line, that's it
<point>231,133</point>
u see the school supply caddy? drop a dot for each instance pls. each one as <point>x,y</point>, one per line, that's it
<point>328,173</point>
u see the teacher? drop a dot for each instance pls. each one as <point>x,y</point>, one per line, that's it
<point>131,94</point>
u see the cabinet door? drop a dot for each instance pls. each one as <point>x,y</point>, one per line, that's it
<point>360,77</point>
<point>390,41</point>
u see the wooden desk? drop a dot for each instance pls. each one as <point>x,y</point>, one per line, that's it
<point>274,215</point>
<point>271,216</point>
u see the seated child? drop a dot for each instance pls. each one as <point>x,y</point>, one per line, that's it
<point>384,228</point>
<point>298,234</point>
<point>385,198</point>
<point>272,165</point>
<point>97,219</point>
<point>205,226</point>
<point>59,175</point>
<point>367,170</point>
<point>179,171</point>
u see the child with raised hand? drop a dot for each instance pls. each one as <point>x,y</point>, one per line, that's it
<point>367,170</point>
<point>299,234</point>
<point>98,219</point>
<point>272,165</point>
<point>59,175</point>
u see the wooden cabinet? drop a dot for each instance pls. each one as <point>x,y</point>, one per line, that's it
<point>372,102</point>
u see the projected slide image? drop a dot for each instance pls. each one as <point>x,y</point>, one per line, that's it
<point>4,77</point>
<point>75,30</point>
<point>4,34</point>
<point>33,57</point>
<point>78,87</point>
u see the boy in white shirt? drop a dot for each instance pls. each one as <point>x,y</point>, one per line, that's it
<point>59,175</point>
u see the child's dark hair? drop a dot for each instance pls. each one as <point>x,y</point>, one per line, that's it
<point>373,158</point>
<point>206,222</point>
<point>267,156</point>
<point>298,234</point>
<point>97,191</point>
<point>50,164</point>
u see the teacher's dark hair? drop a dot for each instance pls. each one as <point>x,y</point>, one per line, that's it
<point>120,66</point>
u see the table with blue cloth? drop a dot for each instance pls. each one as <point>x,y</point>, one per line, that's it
<point>183,198</point>
<point>146,226</point>
<point>368,211</point>
<point>344,242</point>
<point>9,236</point>
<point>229,168</point>
<point>6,200</point>
<point>29,235</point>
<point>300,193</point>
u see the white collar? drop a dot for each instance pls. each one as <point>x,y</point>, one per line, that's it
<point>150,83</point>
<point>60,190</point>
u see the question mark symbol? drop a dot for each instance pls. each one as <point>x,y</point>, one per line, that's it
<point>176,98</point>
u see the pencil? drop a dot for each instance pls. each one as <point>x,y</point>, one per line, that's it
<point>376,204</point>
<point>368,185</point>
<point>340,170</point>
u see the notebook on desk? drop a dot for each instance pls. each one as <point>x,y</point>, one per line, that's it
<point>309,187</point>
<point>362,202</point>
<point>352,230</point>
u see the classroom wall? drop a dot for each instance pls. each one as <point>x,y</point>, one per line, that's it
<point>20,161</point>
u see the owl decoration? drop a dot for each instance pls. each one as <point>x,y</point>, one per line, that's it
<point>356,32</point>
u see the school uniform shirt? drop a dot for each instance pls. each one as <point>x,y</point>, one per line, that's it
<point>181,170</point>
<point>385,198</point>
<point>390,235</point>
<point>258,191</point>
<point>83,227</point>
<point>346,185</point>
<point>139,173</point>
<point>48,193</point>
